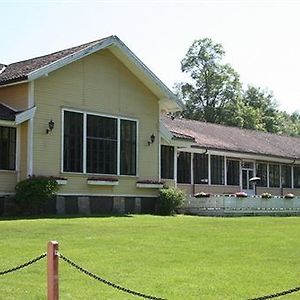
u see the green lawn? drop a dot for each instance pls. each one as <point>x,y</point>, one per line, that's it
<point>178,257</point>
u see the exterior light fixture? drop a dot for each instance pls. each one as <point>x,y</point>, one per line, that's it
<point>152,139</point>
<point>50,126</point>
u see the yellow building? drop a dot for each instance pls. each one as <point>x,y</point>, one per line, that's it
<point>88,116</point>
<point>94,117</point>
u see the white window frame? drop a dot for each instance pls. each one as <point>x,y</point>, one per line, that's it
<point>85,114</point>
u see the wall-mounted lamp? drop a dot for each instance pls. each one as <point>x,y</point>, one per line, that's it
<point>152,139</point>
<point>50,126</point>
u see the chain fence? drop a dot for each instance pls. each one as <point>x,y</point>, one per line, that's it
<point>276,295</point>
<point>26,264</point>
<point>118,287</point>
<point>107,282</point>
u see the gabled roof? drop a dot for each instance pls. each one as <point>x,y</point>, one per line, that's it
<point>234,139</point>
<point>34,68</point>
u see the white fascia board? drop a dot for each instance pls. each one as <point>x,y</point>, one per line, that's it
<point>70,58</point>
<point>25,115</point>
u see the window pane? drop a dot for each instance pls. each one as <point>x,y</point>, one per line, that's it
<point>286,176</point>
<point>101,145</point>
<point>167,162</point>
<point>262,173</point>
<point>296,176</point>
<point>73,141</point>
<point>233,172</point>
<point>128,148</point>
<point>274,175</point>
<point>7,148</point>
<point>201,168</point>
<point>184,168</point>
<point>217,169</point>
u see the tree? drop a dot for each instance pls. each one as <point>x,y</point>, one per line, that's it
<point>260,110</point>
<point>213,84</point>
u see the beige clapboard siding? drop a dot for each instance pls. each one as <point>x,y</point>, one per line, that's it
<point>126,187</point>
<point>15,96</point>
<point>8,181</point>
<point>101,84</point>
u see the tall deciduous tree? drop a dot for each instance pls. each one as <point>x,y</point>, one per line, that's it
<point>213,84</point>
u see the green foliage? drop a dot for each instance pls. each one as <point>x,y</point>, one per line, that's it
<point>213,84</point>
<point>214,94</point>
<point>169,200</point>
<point>31,193</point>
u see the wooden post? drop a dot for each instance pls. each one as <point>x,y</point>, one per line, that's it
<point>52,267</point>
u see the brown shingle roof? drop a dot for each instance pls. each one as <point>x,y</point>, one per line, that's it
<point>19,71</point>
<point>214,136</point>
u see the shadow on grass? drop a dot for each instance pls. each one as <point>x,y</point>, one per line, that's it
<point>40,217</point>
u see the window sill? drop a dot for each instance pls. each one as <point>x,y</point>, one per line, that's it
<point>149,185</point>
<point>102,182</point>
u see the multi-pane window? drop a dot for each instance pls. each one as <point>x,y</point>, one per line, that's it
<point>73,142</point>
<point>101,145</point>
<point>128,147</point>
<point>7,148</point>
<point>286,176</point>
<point>274,175</point>
<point>103,139</point>
<point>262,173</point>
<point>200,168</point>
<point>297,176</point>
<point>233,172</point>
<point>167,162</point>
<point>217,169</point>
<point>184,168</point>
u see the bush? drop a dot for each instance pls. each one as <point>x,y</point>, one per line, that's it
<point>169,200</point>
<point>35,191</point>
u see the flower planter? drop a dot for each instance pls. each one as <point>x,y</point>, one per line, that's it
<point>202,195</point>
<point>61,181</point>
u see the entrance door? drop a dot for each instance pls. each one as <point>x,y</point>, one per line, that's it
<point>247,173</point>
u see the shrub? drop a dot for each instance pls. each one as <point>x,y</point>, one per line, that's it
<point>169,200</point>
<point>34,191</point>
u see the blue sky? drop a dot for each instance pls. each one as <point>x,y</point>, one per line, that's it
<point>261,38</point>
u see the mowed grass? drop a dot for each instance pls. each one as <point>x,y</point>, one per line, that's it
<point>179,257</point>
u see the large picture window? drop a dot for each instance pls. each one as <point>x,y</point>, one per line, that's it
<point>167,162</point>
<point>101,145</point>
<point>7,148</point>
<point>200,168</point>
<point>297,176</point>
<point>274,175</point>
<point>184,167</point>
<point>286,176</point>
<point>262,173</point>
<point>128,147</point>
<point>217,169</point>
<point>233,172</point>
<point>109,144</point>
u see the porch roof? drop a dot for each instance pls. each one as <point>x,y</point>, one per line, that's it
<point>7,113</point>
<point>234,139</point>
